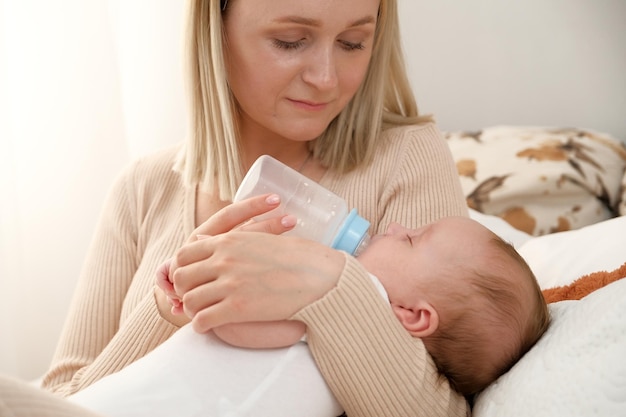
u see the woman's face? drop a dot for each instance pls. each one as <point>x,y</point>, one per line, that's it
<point>294,64</point>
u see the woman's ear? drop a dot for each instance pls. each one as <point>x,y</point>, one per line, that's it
<point>421,320</point>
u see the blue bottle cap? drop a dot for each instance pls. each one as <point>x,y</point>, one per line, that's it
<point>351,233</point>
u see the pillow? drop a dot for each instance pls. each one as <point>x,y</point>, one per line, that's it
<point>622,204</point>
<point>576,369</point>
<point>560,258</point>
<point>501,228</point>
<point>540,180</point>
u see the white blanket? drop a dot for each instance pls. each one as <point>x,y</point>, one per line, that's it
<point>193,375</point>
<point>577,369</point>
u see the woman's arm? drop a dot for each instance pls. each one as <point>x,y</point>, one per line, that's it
<point>95,341</point>
<point>372,365</point>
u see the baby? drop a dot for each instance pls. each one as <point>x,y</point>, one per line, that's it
<point>468,295</point>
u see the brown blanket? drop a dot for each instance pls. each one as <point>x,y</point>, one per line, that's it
<point>584,285</point>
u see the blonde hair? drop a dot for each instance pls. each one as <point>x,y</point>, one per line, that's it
<point>463,345</point>
<point>211,155</point>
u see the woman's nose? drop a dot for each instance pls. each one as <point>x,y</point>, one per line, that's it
<point>321,71</point>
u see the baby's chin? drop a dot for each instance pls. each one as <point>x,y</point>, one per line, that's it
<point>364,259</point>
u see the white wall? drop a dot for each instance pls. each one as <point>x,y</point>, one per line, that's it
<point>61,140</point>
<point>87,86</point>
<point>535,62</point>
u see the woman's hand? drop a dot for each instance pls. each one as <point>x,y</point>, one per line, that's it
<point>238,215</point>
<point>242,276</point>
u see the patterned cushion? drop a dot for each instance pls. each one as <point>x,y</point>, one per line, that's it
<point>622,204</point>
<point>541,180</point>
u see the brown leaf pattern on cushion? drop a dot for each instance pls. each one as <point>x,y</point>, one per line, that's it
<point>519,218</point>
<point>466,168</point>
<point>480,195</point>
<point>474,135</point>
<point>541,180</point>
<point>622,205</point>
<point>602,194</point>
<point>546,151</point>
<point>570,151</point>
<point>562,225</point>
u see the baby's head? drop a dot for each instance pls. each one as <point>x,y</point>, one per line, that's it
<point>465,292</point>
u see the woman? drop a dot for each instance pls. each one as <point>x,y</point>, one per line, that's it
<point>321,86</point>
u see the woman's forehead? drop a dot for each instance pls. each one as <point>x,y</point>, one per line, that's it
<point>314,9</point>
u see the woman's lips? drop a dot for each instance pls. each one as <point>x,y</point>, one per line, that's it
<point>309,105</point>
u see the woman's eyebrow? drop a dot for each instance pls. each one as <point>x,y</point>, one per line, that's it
<point>317,23</point>
<point>363,21</point>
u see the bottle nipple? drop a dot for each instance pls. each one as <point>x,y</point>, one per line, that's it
<point>352,233</point>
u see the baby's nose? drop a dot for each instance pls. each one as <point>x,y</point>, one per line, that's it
<point>394,228</point>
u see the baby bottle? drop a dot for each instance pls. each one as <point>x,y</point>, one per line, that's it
<point>322,215</point>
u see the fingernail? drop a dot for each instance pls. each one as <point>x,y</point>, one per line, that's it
<point>200,237</point>
<point>288,221</point>
<point>272,199</point>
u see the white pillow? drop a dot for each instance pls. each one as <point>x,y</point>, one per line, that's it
<point>501,228</point>
<point>560,258</point>
<point>577,369</point>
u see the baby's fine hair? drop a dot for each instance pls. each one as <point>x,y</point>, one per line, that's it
<point>497,310</point>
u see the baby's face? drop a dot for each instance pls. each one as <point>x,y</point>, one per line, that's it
<point>405,259</point>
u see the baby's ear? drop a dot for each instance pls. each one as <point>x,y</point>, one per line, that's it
<point>421,320</point>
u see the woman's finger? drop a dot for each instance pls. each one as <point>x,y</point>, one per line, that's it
<point>274,226</point>
<point>237,213</point>
<point>218,303</point>
<point>186,270</point>
<point>193,268</point>
<point>210,318</point>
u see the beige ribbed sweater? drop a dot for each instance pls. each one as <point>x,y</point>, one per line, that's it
<point>371,364</point>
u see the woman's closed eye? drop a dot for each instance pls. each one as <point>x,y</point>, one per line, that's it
<point>293,45</point>
<point>352,46</point>
<point>289,45</point>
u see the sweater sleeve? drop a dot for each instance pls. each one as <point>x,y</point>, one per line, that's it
<point>95,340</point>
<point>21,399</point>
<point>372,365</point>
